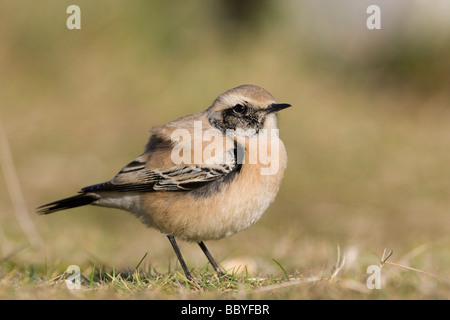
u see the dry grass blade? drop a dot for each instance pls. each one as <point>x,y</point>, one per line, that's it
<point>384,261</point>
<point>12,254</point>
<point>289,283</point>
<point>339,264</point>
<point>15,192</point>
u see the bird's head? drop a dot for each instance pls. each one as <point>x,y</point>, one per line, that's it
<point>245,109</point>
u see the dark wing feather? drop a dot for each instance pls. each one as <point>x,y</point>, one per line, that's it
<point>136,177</point>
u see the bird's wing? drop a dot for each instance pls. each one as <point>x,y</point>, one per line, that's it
<point>137,177</point>
<point>141,175</point>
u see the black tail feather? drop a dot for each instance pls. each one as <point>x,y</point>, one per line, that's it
<point>67,203</point>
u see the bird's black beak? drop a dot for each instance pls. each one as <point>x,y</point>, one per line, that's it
<point>275,107</point>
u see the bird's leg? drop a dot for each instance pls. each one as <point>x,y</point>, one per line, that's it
<point>211,259</point>
<point>180,257</point>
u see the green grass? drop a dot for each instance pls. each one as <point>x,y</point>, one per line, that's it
<point>346,279</point>
<point>138,283</point>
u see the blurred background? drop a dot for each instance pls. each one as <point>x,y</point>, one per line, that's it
<point>368,137</point>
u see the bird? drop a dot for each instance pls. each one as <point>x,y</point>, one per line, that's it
<point>202,176</point>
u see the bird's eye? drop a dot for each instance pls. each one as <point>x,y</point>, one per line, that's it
<point>239,109</point>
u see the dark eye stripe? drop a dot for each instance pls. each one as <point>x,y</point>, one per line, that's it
<point>239,109</point>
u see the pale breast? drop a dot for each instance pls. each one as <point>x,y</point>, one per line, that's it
<point>235,206</point>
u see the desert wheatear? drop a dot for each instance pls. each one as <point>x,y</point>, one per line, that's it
<point>203,176</point>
